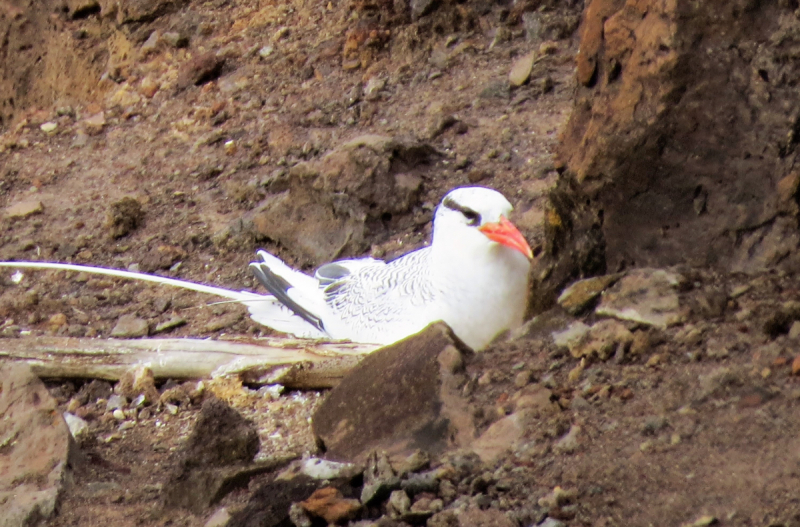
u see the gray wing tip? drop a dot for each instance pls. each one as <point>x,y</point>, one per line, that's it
<point>279,288</point>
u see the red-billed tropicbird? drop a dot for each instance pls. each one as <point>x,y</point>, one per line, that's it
<point>473,276</point>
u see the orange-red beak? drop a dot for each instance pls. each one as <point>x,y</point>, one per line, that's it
<point>505,233</point>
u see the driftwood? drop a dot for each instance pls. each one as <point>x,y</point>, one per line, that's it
<point>295,363</point>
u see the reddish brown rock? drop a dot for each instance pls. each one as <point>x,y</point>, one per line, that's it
<point>199,70</point>
<point>34,465</point>
<point>398,399</point>
<point>796,365</point>
<point>330,505</point>
<point>680,142</point>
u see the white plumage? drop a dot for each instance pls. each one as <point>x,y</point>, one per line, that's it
<point>473,276</point>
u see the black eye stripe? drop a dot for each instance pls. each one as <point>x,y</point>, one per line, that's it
<point>473,218</point>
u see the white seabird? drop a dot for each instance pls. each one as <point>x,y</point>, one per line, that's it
<point>473,276</point>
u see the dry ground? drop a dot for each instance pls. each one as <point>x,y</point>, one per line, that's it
<point>696,434</point>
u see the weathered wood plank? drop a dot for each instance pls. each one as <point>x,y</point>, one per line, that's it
<point>296,363</point>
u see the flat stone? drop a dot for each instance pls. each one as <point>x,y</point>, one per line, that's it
<point>129,327</point>
<point>570,336</point>
<point>646,296</point>
<point>36,447</point>
<point>398,399</point>
<point>537,399</point>
<point>23,209</point>
<point>521,70</point>
<point>579,295</point>
<point>501,436</point>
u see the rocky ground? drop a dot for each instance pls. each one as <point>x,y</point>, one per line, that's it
<point>207,114</point>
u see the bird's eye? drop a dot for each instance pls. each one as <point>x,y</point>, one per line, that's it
<point>473,218</point>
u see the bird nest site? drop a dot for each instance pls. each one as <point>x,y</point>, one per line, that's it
<point>614,234</point>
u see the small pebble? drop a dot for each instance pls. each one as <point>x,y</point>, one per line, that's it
<point>115,402</point>
<point>119,415</point>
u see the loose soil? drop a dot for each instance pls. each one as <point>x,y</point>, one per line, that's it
<point>705,428</point>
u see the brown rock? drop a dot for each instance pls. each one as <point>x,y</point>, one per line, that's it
<point>124,216</point>
<point>148,87</point>
<point>643,149</point>
<point>161,257</point>
<point>57,320</point>
<point>220,437</point>
<point>597,11</point>
<point>329,504</point>
<point>796,365</point>
<point>199,70</point>
<point>521,70</point>
<point>33,466</point>
<point>579,295</point>
<point>537,399</point>
<point>23,209</point>
<point>95,123</point>
<point>501,436</point>
<point>274,502</point>
<point>325,209</point>
<point>130,327</point>
<point>398,399</point>
<point>139,381</point>
<point>646,296</point>
<point>215,458</point>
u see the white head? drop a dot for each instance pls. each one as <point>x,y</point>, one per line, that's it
<point>477,216</point>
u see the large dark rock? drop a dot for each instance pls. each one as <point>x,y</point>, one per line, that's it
<point>220,437</point>
<point>399,399</point>
<point>215,459</point>
<point>683,141</point>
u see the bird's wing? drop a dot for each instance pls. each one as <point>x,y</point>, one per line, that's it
<point>271,312</point>
<point>295,290</point>
<point>373,292</point>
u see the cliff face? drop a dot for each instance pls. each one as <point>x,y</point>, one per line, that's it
<point>63,52</point>
<point>685,130</point>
